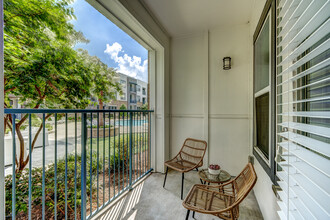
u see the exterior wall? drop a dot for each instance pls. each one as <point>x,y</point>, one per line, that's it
<point>263,188</point>
<point>189,72</point>
<point>130,97</point>
<point>208,102</point>
<point>228,97</point>
<point>141,94</point>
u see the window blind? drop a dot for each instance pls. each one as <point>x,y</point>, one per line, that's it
<point>303,108</point>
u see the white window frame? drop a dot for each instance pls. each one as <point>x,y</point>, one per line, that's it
<point>265,90</point>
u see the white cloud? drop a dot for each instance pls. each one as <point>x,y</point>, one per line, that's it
<point>131,66</point>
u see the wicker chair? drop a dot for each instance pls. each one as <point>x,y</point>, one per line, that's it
<point>190,157</point>
<point>223,200</point>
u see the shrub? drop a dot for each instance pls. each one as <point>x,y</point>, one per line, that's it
<point>22,186</point>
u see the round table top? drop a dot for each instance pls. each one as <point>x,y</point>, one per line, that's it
<point>224,176</point>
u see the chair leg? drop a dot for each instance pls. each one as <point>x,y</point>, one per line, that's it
<point>187,216</point>
<point>182,186</point>
<point>201,181</point>
<point>165,177</point>
<point>197,169</point>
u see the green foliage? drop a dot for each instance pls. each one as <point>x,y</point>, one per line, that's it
<point>41,65</point>
<point>144,106</point>
<point>22,185</point>
<point>122,107</point>
<point>36,122</point>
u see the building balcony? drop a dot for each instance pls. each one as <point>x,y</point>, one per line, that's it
<point>96,169</point>
<point>91,158</point>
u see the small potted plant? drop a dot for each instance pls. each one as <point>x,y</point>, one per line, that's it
<point>214,169</point>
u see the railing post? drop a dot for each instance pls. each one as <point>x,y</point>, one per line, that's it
<point>130,148</point>
<point>83,164</point>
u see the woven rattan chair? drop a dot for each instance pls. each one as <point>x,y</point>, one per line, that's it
<point>190,157</point>
<point>222,201</point>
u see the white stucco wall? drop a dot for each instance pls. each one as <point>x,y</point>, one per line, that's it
<point>225,124</point>
<point>189,72</point>
<point>228,97</point>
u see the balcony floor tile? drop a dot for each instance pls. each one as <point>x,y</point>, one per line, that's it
<point>149,200</point>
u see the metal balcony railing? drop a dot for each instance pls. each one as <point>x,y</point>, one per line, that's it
<point>69,164</point>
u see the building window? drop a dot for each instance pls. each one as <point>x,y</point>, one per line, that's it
<point>143,91</point>
<point>262,124</point>
<point>264,95</point>
<point>262,72</point>
<point>138,87</point>
<point>123,97</point>
<point>123,82</point>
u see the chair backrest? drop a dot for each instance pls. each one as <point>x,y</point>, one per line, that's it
<point>193,150</point>
<point>244,182</point>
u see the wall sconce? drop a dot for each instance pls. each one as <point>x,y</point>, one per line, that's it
<point>226,63</point>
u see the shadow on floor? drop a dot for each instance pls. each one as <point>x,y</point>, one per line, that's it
<point>149,201</point>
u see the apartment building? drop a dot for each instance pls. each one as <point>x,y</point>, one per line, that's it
<point>134,94</point>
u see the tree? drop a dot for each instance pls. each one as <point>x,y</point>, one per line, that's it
<point>41,65</point>
<point>105,83</point>
<point>122,107</point>
<point>144,106</point>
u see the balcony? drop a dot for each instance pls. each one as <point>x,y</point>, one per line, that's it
<point>93,157</point>
<point>149,200</point>
<point>193,95</point>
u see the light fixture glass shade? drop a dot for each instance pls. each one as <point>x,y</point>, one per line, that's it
<point>227,63</point>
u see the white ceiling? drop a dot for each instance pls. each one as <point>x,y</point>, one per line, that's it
<point>181,17</point>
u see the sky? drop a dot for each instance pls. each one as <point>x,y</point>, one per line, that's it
<point>108,42</point>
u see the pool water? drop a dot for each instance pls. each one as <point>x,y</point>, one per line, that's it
<point>126,122</point>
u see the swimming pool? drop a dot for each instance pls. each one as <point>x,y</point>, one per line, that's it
<point>126,122</point>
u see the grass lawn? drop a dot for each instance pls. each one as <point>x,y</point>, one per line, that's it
<point>140,143</point>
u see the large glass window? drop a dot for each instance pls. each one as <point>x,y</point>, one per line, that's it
<point>261,61</point>
<point>262,123</point>
<point>262,90</point>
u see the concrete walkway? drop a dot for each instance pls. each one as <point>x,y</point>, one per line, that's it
<point>149,200</point>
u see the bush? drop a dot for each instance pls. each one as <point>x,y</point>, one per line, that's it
<point>22,186</point>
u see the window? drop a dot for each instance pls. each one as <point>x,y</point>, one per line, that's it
<point>143,91</point>
<point>262,77</point>
<point>123,82</point>
<point>264,95</point>
<point>139,98</point>
<point>262,123</point>
<point>143,100</point>
<point>113,107</point>
<point>303,110</point>
<point>132,87</point>
<point>138,88</point>
<point>123,97</point>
